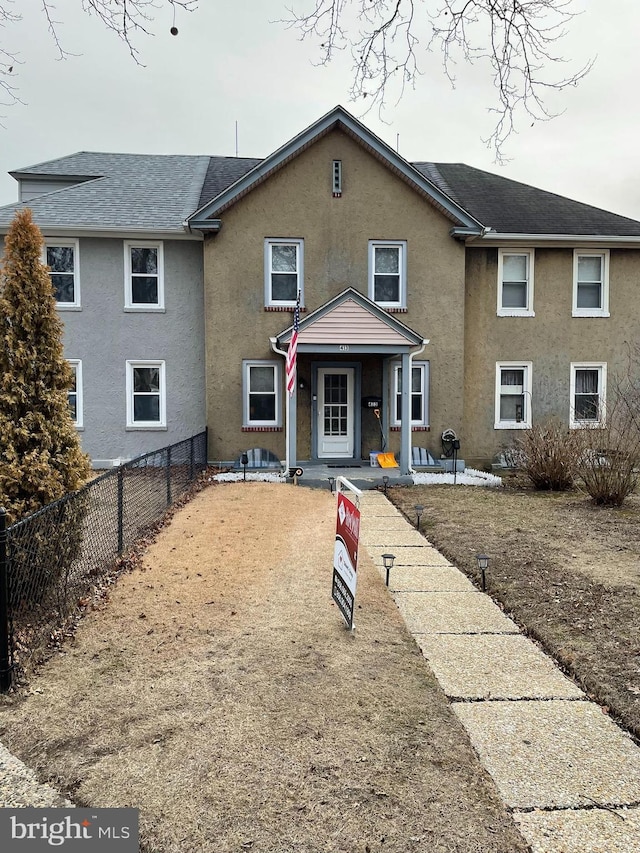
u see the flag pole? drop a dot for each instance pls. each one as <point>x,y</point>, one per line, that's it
<point>291,370</point>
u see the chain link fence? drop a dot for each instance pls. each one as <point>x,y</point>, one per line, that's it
<point>59,557</point>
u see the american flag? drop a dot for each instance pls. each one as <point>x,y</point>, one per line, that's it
<point>292,352</point>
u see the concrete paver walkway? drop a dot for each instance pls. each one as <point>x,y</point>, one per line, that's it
<point>567,773</point>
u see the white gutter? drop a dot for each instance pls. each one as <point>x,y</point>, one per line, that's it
<point>287,419</point>
<point>497,238</point>
<point>136,233</point>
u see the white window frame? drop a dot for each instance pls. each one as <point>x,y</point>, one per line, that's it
<point>526,421</point>
<point>401,245</point>
<point>247,364</point>
<point>603,310</point>
<point>601,367</point>
<point>52,243</point>
<point>148,425</point>
<point>269,242</point>
<point>129,304</point>
<point>527,311</point>
<point>423,366</point>
<point>76,366</point>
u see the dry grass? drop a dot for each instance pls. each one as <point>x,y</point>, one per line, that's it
<point>219,692</point>
<point>566,570</point>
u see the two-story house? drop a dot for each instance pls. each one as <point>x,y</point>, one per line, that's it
<point>178,278</point>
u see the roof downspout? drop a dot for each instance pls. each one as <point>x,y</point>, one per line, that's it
<point>406,434</point>
<point>287,411</point>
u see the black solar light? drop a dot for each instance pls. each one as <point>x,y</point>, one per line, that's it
<point>387,562</point>
<point>419,511</point>
<point>385,480</point>
<point>483,562</point>
<point>331,482</point>
<point>244,459</point>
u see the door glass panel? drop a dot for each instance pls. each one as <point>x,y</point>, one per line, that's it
<point>335,404</point>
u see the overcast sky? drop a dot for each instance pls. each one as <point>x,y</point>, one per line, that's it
<point>232,62</point>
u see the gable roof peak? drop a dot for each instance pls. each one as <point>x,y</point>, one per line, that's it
<point>205,218</point>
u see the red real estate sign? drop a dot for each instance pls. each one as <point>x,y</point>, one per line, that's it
<point>345,557</point>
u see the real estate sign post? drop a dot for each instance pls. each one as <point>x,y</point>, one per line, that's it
<point>345,557</point>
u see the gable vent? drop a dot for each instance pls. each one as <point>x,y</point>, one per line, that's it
<point>337,178</point>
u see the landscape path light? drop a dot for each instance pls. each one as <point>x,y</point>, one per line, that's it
<point>387,562</point>
<point>244,459</point>
<point>385,482</point>
<point>483,562</point>
<point>419,511</point>
<point>331,482</point>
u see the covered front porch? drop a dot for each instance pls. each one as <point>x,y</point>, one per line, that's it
<point>349,398</point>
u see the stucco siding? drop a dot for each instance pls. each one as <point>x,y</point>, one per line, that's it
<point>297,203</point>
<point>551,341</point>
<point>104,336</point>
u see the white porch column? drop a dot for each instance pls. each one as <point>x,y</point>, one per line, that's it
<point>405,407</point>
<point>291,431</point>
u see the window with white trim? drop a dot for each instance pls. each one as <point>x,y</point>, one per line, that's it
<point>143,276</point>
<point>591,283</point>
<point>261,381</point>
<point>588,394</point>
<point>74,393</point>
<point>284,268</point>
<point>388,273</point>
<point>513,395</point>
<point>62,258</point>
<point>419,394</point>
<point>515,283</point>
<point>146,395</point>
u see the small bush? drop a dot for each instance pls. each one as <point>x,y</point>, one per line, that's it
<point>610,455</point>
<point>548,454</point>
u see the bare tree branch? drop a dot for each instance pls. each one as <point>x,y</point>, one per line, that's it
<point>126,18</point>
<point>515,39</point>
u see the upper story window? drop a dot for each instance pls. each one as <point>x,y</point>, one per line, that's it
<point>144,276</point>
<point>513,395</point>
<point>146,395</point>
<point>74,394</point>
<point>284,268</point>
<point>61,256</point>
<point>419,394</point>
<point>515,283</point>
<point>261,382</point>
<point>388,273</point>
<point>591,283</point>
<point>588,388</point>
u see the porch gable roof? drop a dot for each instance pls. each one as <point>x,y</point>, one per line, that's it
<point>352,321</point>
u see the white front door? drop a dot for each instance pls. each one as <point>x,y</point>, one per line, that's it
<point>335,412</point>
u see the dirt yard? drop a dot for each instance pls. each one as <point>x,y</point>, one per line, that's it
<point>566,570</point>
<point>219,692</point>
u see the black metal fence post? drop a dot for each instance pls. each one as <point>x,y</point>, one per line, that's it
<point>120,510</point>
<point>168,476</point>
<point>5,633</point>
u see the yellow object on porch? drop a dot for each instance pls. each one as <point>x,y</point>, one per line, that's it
<point>387,460</point>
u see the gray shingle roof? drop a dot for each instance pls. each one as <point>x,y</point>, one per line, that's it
<point>148,192</point>
<point>510,207</point>
<point>156,192</point>
<point>222,172</point>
